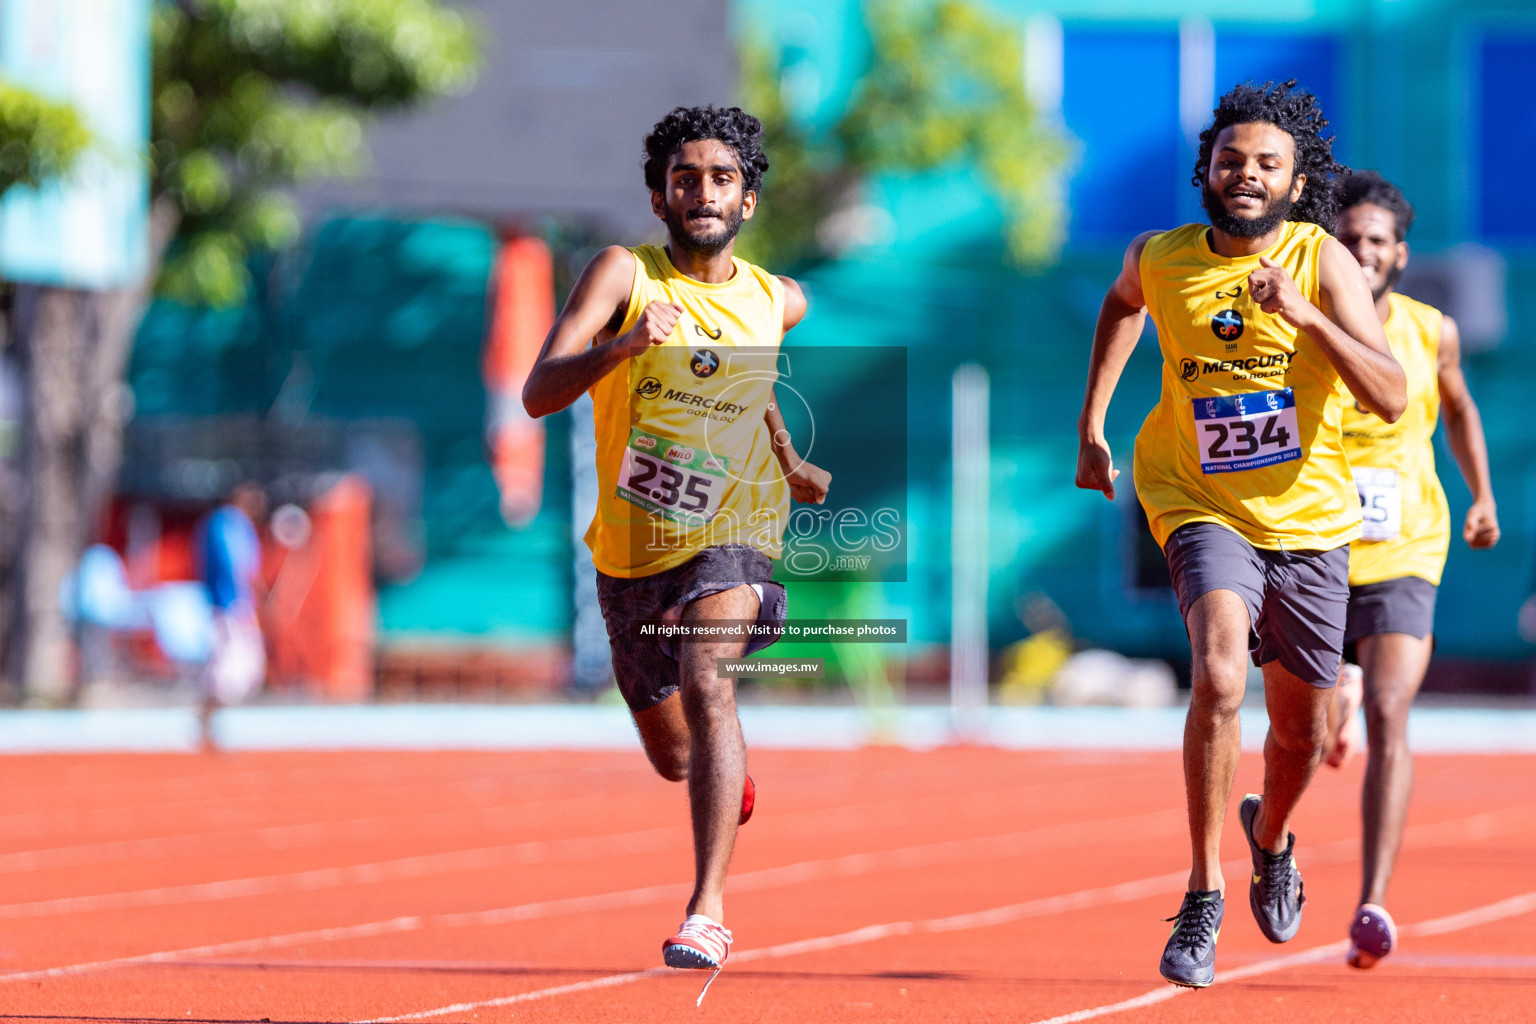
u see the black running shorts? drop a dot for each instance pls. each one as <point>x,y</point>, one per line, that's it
<point>1405,604</point>
<point>1296,599</point>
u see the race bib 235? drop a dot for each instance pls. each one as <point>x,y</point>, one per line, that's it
<point>682,482</point>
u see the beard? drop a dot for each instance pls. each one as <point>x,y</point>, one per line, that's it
<point>705,237</point>
<point>1389,281</point>
<point>1274,213</point>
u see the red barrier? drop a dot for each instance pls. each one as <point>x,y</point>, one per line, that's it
<point>522,313</point>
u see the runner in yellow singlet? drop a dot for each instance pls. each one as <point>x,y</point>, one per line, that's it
<point>1395,566</point>
<point>678,346</point>
<point>1262,319</point>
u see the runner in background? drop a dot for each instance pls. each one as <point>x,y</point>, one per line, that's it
<point>1395,566</point>
<point>229,563</point>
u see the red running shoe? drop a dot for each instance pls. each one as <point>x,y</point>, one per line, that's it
<point>700,944</point>
<point>748,799</point>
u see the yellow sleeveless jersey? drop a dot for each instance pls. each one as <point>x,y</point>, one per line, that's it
<point>1247,431</point>
<point>684,460</point>
<point>1407,529</point>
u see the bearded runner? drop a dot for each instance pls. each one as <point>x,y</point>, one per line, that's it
<point>1262,318</point>
<point>678,346</point>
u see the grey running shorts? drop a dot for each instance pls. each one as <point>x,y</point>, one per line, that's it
<point>1402,605</point>
<point>1296,599</point>
<point>646,669</point>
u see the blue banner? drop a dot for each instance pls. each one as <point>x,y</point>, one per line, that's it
<point>1250,403</point>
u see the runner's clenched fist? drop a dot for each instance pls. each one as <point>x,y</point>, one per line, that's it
<point>1272,288</point>
<point>654,327</point>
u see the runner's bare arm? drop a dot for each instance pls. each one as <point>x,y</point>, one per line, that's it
<point>1347,327</point>
<point>581,348</point>
<point>807,483</point>
<point>1121,319</point>
<point>794,303</point>
<point>1464,431</point>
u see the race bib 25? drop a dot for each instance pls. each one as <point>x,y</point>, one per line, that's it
<point>1381,502</point>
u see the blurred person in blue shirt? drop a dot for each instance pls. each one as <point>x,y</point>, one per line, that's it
<point>229,563</point>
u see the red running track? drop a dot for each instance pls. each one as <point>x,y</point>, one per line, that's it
<point>880,885</point>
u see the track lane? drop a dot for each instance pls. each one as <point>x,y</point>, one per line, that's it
<point>906,975</point>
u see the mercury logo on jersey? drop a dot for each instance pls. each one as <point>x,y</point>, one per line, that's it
<point>718,409</point>
<point>650,387</point>
<point>1250,368</point>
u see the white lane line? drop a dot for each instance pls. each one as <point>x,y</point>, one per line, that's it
<point>1476,827</point>
<point>1514,906</point>
<point>302,834</point>
<point>1480,826</point>
<point>825,820</point>
<point>494,818</point>
<point>214,797</point>
<point>1466,962</point>
<point>998,915</point>
<point>1457,829</point>
<point>526,997</point>
<point>1067,835</point>
<point>1122,893</point>
<point>538,851</point>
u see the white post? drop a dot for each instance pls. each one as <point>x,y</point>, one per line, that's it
<point>971,459</point>
<point>591,668</point>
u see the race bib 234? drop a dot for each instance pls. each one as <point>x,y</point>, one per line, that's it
<point>1248,431</point>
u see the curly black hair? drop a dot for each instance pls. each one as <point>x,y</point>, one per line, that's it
<point>732,126</point>
<point>1370,187</point>
<point>1295,112</point>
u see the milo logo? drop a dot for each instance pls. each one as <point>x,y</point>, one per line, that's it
<point>645,442</point>
<point>677,453</point>
<point>713,463</point>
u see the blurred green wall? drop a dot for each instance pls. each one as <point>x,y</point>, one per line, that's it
<point>387,315</point>
<point>1406,88</point>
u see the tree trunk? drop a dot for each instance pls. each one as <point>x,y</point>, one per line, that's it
<point>71,348</point>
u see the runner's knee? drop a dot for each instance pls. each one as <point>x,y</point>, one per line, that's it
<point>707,698</point>
<point>670,759</point>
<point>664,735</point>
<point>1300,732</point>
<point>1217,690</point>
<point>1386,717</point>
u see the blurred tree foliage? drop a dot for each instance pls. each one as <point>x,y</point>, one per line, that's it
<point>250,96</point>
<point>807,178</point>
<point>945,86</point>
<point>39,139</point>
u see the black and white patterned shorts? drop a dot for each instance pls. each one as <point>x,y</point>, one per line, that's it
<point>646,669</point>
